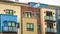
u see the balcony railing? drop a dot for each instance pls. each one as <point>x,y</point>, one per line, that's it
<point>51,30</point>
<point>50,18</point>
<point>9,29</point>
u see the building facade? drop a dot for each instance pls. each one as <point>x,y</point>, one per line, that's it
<point>31,18</point>
<point>48,17</point>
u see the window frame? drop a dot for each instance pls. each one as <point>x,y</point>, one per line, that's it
<point>37,15</point>
<point>11,24</point>
<point>5,23</point>
<point>30,29</point>
<point>38,27</point>
<point>9,12</point>
<point>49,25</point>
<point>48,13</point>
<point>28,14</point>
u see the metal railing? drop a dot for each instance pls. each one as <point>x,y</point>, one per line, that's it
<point>50,18</point>
<point>51,30</point>
<point>10,29</point>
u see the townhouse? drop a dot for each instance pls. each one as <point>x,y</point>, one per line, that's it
<point>9,17</point>
<point>30,18</point>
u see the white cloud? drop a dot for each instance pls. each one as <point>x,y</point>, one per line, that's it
<point>50,2</point>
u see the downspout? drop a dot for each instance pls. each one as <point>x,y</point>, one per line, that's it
<point>57,21</point>
<point>21,23</point>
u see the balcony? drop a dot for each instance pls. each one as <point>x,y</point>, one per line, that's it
<point>50,18</point>
<point>9,29</point>
<point>51,30</point>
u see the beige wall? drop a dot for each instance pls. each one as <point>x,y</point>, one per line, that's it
<point>43,13</point>
<point>58,13</point>
<point>29,20</point>
<point>15,8</point>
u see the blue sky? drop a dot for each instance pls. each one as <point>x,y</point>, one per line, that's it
<point>49,2</point>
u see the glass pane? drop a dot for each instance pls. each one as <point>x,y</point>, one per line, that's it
<point>5,23</point>
<point>13,24</point>
<point>37,15</point>
<point>49,13</point>
<point>11,12</point>
<point>17,25</point>
<point>9,23</point>
<point>31,26</point>
<point>27,25</point>
<point>26,14</point>
<point>30,15</point>
<point>7,12</point>
<point>38,27</point>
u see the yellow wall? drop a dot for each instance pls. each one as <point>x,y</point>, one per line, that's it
<point>43,26</point>
<point>59,13</point>
<point>51,6</point>
<point>15,8</point>
<point>29,20</point>
<point>58,10</point>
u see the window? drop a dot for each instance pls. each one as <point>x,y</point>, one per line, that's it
<point>28,14</point>
<point>48,13</point>
<point>17,25</point>
<point>9,12</point>
<point>30,26</point>
<point>11,24</point>
<point>38,27</point>
<point>37,16</point>
<point>50,25</point>
<point>5,23</point>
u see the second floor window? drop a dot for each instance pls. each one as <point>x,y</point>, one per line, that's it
<point>9,12</point>
<point>28,14</point>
